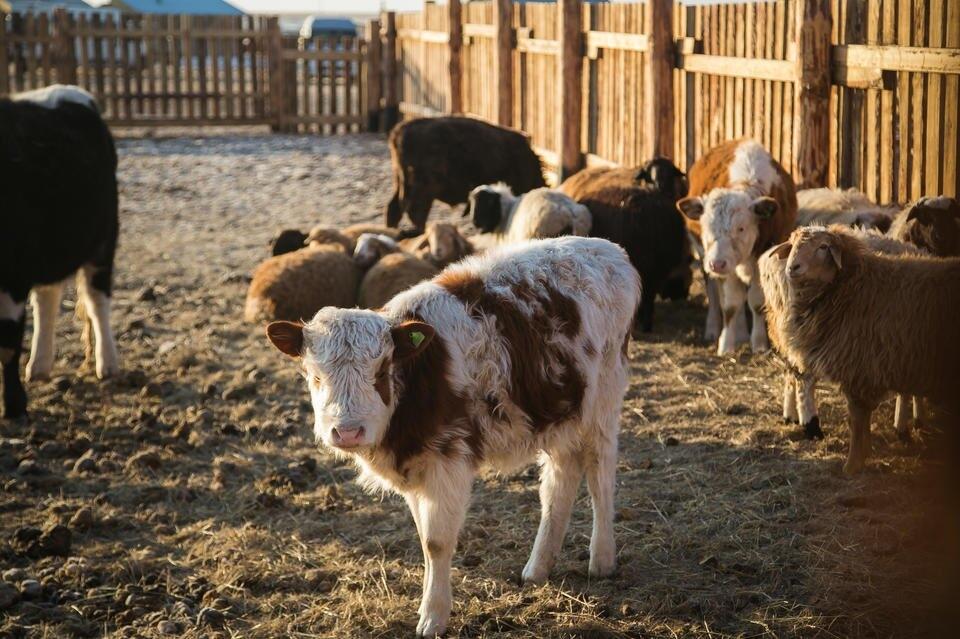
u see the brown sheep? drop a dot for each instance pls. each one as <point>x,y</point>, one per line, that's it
<point>392,274</point>
<point>441,244</point>
<point>932,223</point>
<point>872,323</point>
<point>445,158</point>
<point>294,286</point>
<point>328,235</point>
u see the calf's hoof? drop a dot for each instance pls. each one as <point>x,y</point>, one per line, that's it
<point>853,466</point>
<point>37,373</point>
<point>812,428</point>
<point>534,575</point>
<point>107,370</point>
<point>602,565</point>
<point>431,626</point>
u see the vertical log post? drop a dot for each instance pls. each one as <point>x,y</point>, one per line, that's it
<point>277,81</point>
<point>455,29</point>
<point>4,62</point>
<point>65,54</point>
<point>391,107</point>
<point>571,85</point>
<point>503,65</point>
<point>658,85</point>
<point>374,56</point>
<point>811,112</point>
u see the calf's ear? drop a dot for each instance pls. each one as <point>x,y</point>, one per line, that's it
<point>287,337</point>
<point>692,207</point>
<point>764,207</point>
<point>410,338</point>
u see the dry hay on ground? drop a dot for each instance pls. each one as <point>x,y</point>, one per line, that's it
<point>209,512</point>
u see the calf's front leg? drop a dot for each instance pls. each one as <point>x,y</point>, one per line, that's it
<point>439,509</point>
<point>734,295</point>
<point>759,343</point>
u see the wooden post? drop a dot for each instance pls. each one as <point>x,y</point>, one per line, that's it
<point>571,85</point>
<point>374,56</point>
<point>503,65</point>
<point>391,105</point>
<point>4,63</point>
<point>277,81</point>
<point>811,112</point>
<point>658,85</point>
<point>455,29</point>
<point>66,58</point>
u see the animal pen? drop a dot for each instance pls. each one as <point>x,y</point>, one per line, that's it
<point>863,94</point>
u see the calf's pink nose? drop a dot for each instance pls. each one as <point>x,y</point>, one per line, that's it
<point>348,436</point>
<point>718,266</point>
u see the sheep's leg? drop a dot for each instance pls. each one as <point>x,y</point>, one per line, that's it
<point>900,421</point>
<point>919,413</point>
<point>46,304</point>
<point>560,476</point>
<point>790,399</point>
<point>807,404</point>
<point>439,511</point>
<point>859,410</point>
<point>601,466</point>
<point>711,332</point>
<point>734,295</point>
<point>95,291</point>
<point>759,343</point>
<point>12,322</point>
<point>742,329</point>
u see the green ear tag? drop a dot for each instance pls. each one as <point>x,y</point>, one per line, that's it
<point>416,337</point>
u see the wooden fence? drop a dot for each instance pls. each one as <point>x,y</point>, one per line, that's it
<point>149,70</point>
<point>863,94</point>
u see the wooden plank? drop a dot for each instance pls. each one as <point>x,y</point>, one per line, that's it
<point>935,107</point>
<point>421,35</point>
<point>480,31</point>
<point>84,46</point>
<point>186,36</point>
<point>455,26</point>
<point>391,100</point>
<point>658,76</point>
<point>919,168</point>
<point>534,45</point>
<point>812,93</point>
<point>273,52</point>
<point>733,67</point>
<point>99,87</point>
<point>739,50</point>
<point>570,80</point>
<point>503,61</point>
<point>951,98</point>
<point>912,59</point>
<point>113,107</point>
<point>372,70</point>
<point>418,110</point>
<point>227,49</point>
<point>618,41</point>
<point>871,138</point>
<point>179,122</point>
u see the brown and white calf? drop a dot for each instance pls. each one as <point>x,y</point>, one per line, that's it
<point>741,203</point>
<point>513,355</point>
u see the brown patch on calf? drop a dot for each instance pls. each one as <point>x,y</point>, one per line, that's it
<point>545,397</point>
<point>427,405</point>
<point>382,382</point>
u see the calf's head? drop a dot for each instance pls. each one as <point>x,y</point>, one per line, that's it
<point>933,223</point>
<point>349,357</point>
<point>729,222</point>
<point>485,208</point>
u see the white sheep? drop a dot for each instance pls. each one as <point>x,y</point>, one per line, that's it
<point>848,207</point>
<point>538,214</point>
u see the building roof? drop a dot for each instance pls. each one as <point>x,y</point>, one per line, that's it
<point>186,7</point>
<point>47,6</point>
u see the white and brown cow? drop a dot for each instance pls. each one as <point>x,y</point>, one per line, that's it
<point>741,203</point>
<point>502,358</point>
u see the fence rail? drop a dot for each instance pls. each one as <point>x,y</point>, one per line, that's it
<point>863,94</point>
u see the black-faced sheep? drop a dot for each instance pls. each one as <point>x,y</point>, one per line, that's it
<point>296,285</point>
<point>933,224</point>
<point>539,214</point>
<point>848,208</point>
<point>872,323</point>
<point>645,222</point>
<point>288,241</point>
<point>445,158</point>
<point>59,217</point>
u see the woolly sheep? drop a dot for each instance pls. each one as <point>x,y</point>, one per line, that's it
<point>932,223</point>
<point>848,208</point>
<point>294,286</point>
<point>392,274</point>
<point>541,213</point>
<point>441,244</point>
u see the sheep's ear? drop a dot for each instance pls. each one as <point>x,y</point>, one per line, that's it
<point>410,338</point>
<point>692,207</point>
<point>464,247</point>
<point>764,207</point>
<point>287,337</point>
<point>782,251</point>
<point>835,254</point>
<point>467,206</point>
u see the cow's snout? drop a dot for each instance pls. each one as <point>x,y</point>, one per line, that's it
<point>347,435</point>
<point>718,266</point>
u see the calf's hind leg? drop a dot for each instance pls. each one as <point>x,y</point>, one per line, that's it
<point>600,461</point>
<point>94,289</point>
<point>46,304</point>
<point>560,476</point>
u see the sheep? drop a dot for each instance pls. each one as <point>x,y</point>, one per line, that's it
<point>849,208</point>
<point>441,244</point>
<point>288,241</point>
<point>541,213</point>
<point>503,358</point>
<point>444,158</point>
<point>60,217</point>
<point>296,285</point>
<point>641,216</point>
<point>932,223</point>
<point>741,202</point>
<point>371,248</point>
<point>330,236</point>
<point>392,274</point>
<point>873,323</point>
<point>799,401</point>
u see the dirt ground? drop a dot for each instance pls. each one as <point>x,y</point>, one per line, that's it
<point>197,505</point>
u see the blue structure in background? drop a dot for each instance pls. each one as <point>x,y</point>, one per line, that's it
<point>186,7</point>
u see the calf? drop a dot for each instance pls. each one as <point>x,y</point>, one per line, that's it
<point>61,217</point>
<point>516,354</point>
<point>445,158</point>
<point>741,203</point>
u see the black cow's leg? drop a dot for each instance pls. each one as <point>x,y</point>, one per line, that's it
<point>12,321</point>
<point>394,212</point>
<point>418,208</point>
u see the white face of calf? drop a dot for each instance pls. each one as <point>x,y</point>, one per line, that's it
<point>729,226</point>
<point>348,357</point>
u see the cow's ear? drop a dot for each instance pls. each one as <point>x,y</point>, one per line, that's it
<point>410,338</point>
<point>764,207</point>
<point>287,337</point>
<point>692,207</point>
